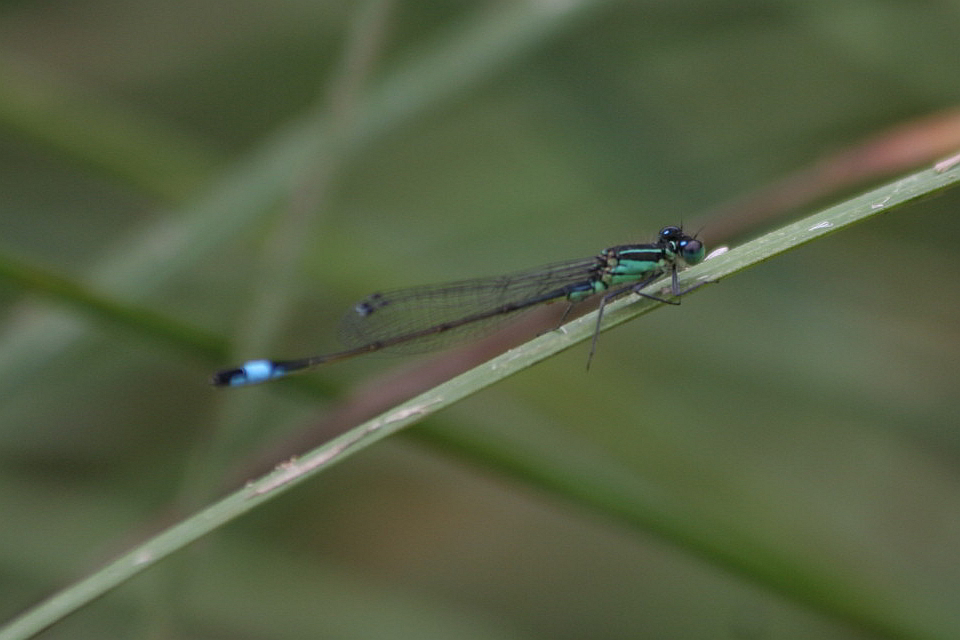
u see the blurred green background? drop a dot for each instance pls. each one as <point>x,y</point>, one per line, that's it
<point>249,169</point>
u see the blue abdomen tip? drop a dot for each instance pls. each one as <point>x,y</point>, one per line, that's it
<point>255,371</point>
<point>250,372</point>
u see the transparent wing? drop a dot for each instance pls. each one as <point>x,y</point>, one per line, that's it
<point>471,306</point>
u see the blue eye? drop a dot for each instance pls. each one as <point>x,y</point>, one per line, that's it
<point>692,251</point>
<point>670,233</point>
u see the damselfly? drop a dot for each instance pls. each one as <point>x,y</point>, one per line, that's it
<point>428,317</point>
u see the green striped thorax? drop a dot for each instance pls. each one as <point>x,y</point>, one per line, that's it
<point>635,262</point>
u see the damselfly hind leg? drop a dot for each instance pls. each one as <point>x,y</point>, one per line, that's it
<point>637,289</point>
<point>613,295</point>
<point>563,319</point>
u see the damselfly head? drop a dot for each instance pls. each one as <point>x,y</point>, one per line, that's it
<point>689,249</point>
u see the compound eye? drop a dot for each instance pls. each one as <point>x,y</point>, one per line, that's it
<point>692,251</point>
<point>670,233</point>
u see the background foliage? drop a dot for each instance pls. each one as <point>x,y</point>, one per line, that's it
<point>220,181</point>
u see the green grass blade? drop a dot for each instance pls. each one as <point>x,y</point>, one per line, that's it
<point>615,493</point>
<point>33,278</point>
